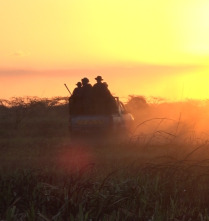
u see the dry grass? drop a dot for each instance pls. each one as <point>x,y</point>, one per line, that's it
<point>159,173</point>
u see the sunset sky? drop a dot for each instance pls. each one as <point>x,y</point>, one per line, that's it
<point>151,48</point>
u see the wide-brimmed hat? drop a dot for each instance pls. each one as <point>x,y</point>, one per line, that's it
<point>85,80</point>
<point>79,83</point>
<point>99,78</point>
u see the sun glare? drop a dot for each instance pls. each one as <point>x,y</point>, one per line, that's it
<point>193,28</point>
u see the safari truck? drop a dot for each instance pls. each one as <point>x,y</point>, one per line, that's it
<point>115,123</point>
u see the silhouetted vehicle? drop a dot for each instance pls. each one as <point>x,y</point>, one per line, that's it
<point>112,122</point>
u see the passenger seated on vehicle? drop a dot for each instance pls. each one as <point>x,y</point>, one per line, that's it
<point>75,100</point>
<point>104,102</point>
<point>111,102</point>
<point>86,96</point>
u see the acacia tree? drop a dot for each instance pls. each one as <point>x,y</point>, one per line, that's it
<point>136,102</point>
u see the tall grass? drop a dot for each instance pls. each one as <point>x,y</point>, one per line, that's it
<point>151,176</point>
<point>174,191</point>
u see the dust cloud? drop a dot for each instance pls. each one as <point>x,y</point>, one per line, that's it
<point>160,121</point>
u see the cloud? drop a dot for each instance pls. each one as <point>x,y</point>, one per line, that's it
<point>123,71</point>
<point>20,53</point>
<point>16,72</point>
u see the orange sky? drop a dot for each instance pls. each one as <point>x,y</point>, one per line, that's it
<point>151,48</point>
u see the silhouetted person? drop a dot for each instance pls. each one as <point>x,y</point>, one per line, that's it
<point>77,91</point>
<point>103,99</point>
<point>99,85</point>
<point>105,84</point>
<point>86,96</point>
<point>75,100</point>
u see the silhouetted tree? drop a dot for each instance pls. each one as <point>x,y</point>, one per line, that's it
<point>136,102</point>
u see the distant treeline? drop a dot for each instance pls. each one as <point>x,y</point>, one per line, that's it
<point>49,117</point>
<point>33,101</point>
<point>33,116</point>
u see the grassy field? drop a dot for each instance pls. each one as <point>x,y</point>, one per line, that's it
<point>161,172</point>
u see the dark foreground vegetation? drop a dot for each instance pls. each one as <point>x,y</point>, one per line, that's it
<point>161,172</point>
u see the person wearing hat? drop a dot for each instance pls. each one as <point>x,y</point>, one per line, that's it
<point>75,99</point>
<point>85,81</point>
<point>99,79</point>
<point>77,90</point>
<point>86,96</point>
<point>102,96</point>
<point>99,83</point>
